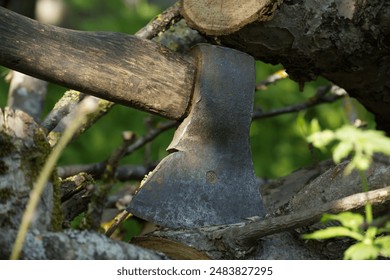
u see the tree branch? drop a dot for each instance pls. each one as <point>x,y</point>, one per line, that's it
<point>272,79</point>
<point>123,172</point>
<point>67,103</point>
<point>161,22</point>
<point>319,98</point>
<point>245,234</point>
<point>150,136</point>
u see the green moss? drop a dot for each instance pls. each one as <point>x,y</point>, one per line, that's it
<point>43,150</point>
<point>7,147</point>
<point>34,158</point>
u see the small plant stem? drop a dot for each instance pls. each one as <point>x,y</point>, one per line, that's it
<point>368,206</point>
<point>45,174</point>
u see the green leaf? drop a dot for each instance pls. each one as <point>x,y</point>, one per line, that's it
<point>321,139</point>
<point>351,140</point>
<point>378,141</point>
<point>342,150</point>
<point>359,162</point>
<point>362,162</point>
<point>361,251</point>
<point>384,245</point>
<point>301,124</point>
<point>332,232</point>
<point>315,126</point>
<point>347,219</point>
<point>370,234</point>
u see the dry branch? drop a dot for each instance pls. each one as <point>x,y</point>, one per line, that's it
<point>251,232</point>
<point>319,98</point>
<point>161,22</point>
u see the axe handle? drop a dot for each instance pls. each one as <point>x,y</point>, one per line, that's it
<point>113,66</point>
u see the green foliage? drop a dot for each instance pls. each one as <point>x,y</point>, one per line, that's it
<point>278,143</point>
<point>360,145</point>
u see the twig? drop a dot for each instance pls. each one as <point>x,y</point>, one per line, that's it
<point>124,215</point>
<point>61,109</point>
<point>129,145</point>
<point>102,107</point>
<point>126,171</point>
<point>76,193</point>
<point>123,173</point>
<point>150,136</point>
<point>248,233</point>
<point>272,79</point>
<point>99,197</point>
<point>112,162</point>
<point>319,98</point>
<point>162,22</point>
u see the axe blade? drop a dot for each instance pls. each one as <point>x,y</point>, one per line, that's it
<point>208,177</point>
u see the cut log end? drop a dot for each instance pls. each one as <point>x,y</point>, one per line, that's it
<point>223,17</point>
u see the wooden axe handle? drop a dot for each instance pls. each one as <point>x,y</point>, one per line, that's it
<point>113,66</point>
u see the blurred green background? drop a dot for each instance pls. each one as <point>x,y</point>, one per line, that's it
<point>278,143</point>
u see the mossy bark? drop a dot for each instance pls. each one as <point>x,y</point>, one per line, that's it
<point>24,150</point>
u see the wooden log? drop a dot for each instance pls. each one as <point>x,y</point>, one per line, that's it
<point>222,17</point>
<point>113,66</point>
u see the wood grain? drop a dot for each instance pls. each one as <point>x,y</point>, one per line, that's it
<point>222,17</point>
<point>113,66</point>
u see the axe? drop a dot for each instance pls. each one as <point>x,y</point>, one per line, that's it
<point>208,178</point>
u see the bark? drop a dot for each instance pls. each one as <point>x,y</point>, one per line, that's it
<point>74,245</point>
<point>23,151</point>
<point>113,66</point>
<point>343,41</point>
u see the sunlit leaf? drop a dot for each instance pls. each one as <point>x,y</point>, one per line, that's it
<point>332,232</point>
<point>361,144</point>
<point>347,219</point>
<point>381,144</point>
<point>370,234</point>
<point>315,126</point>
<point>384,245</point>
<point>342,150</point>
<point>301,124</point>
<point>321,139</point>
<point>361,251</point>
<point>358,163</point>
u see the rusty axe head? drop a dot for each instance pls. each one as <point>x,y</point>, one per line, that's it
<point>208,178</point>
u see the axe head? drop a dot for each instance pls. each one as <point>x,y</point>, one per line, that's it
<point>208,177</point>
